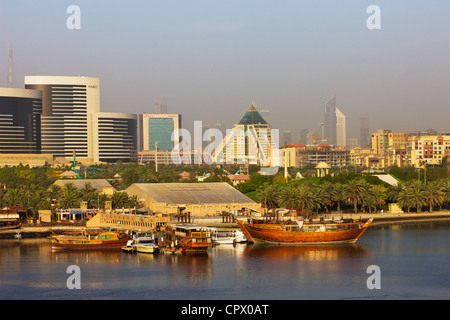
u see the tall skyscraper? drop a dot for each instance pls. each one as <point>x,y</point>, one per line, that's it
<point>287,137</point>
<point>71,121</point>
<point>159,128</point>
<point>364,133</point>
<point>68,104</point>
<point>160,108</point>
<point>329,118</point>
<point>20,113</point>
<point>341,133</point>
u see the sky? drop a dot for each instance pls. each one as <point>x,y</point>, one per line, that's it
<point>210,60</point>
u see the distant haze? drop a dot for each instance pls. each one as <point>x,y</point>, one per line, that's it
<point>208,60</point>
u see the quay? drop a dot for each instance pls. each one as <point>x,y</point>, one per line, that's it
<point>380,219</point>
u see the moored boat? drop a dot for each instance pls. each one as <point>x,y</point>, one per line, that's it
<point>145,245</point>
<point>301,232</point>
<point>186,238</point>
<point>226,236</point>
<point>105,240</point>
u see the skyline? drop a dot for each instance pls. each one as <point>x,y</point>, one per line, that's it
<point>210,61</point>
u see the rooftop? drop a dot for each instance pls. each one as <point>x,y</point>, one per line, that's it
<point>252,116</point>
<point>188,193</point>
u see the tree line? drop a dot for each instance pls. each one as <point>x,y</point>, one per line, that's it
<point>357,195</point>
<point>37,198</point>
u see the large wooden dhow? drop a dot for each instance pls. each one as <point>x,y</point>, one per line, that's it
<point>299,232</point>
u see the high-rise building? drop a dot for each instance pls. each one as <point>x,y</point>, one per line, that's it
<point>330,120</point>
<point>71,121</point>
<point>159,128</point>
<point>67,107</point>
<point>287,137</point>
<point>341,133</point>
<point>20,113</point>
<point>364,133</point>
<point>116,137</point>
<point>160,108</point>
<point>251,141</point>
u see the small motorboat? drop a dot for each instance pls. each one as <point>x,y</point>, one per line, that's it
<point>145,245</point>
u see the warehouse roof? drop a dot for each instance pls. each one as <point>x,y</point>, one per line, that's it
<point>188,193</point>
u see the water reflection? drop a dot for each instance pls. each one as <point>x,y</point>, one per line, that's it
<point>311,253</point>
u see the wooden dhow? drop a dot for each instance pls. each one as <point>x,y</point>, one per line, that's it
<point>105,240</point>
<point>299,232</point>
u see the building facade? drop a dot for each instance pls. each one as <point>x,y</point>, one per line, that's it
<point>68,104</point>
<point>330,120</point>
<point>116,136</point>
<point>341,130</point>
<point>156,131</point>
<point>71,121</point>
<point>300,155</point>
<point>20,114</point>
<point>428,149</point>
<point>251,141</point>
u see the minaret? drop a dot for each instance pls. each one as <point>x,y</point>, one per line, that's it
<point>9,77</point>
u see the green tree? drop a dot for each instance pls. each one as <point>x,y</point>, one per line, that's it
<point>434,195</point>
<point>354,192</point>
<point>418,194</point>
<point>70,197</point>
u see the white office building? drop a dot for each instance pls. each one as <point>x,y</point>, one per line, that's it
<point>70,120</point>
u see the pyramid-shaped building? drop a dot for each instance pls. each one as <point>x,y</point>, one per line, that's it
<point>251,141</point>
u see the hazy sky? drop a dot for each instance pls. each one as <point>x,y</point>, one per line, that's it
<point>208,60</point>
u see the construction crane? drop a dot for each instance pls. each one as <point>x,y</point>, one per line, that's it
<point>315,139</point>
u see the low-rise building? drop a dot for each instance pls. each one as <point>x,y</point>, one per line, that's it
<point>200,199</point>
<point>299,155</point>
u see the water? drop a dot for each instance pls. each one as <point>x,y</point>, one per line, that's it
<point>413,262</point>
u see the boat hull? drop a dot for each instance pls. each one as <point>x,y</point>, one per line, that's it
<point>90,246</point>
<point>260,233</point>
<point>146,249</point>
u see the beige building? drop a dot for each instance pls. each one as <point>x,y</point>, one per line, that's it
<point>200,199</point>
<point>299,155</point>
<point>428,149</point>
<point>383,140</point>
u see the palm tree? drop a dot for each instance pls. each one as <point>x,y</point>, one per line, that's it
<point>70,197</point>
<point>120,200</point>
<point>327,193</point>
<point>268,194</point>
<point>339,195</point>
<point>395,190</point>
<point>433,192</point>
<point>308,198</point>
<point>288,197</point>
<point>354,192</point>
<point>90,195</point>
<point>418,194</point>
<point>405,199</point>
<point>445,191</point>
<point>53,194</point>
<point>379,194</point>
